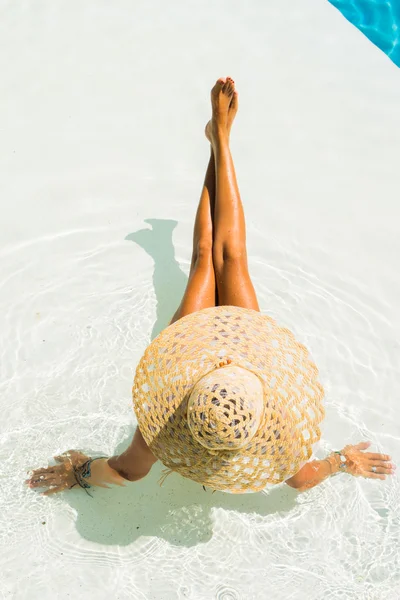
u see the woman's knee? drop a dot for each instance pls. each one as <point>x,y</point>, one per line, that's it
<point>232,254</point>
<point>203,251</point>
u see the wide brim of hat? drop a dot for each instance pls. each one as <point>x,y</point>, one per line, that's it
<point>194,346</point>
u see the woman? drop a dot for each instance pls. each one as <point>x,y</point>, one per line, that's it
<point>197,425</point>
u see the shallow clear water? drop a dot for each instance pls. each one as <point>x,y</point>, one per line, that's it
<point>379,20</point>
<point>102,158</point>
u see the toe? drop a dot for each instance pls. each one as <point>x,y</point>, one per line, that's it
<point>218,87</point>
<point>228,88</point>
<point>235,100</point>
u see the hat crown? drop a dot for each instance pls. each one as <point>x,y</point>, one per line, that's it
<point>225,408</point>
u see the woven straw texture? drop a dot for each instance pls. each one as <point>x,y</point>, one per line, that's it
<point>193,348</point>
<point>225,408</point>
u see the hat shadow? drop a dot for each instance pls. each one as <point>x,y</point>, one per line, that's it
<point>169,280</point>
<point>180,511</point>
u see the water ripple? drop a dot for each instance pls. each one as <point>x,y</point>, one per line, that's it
<point>227,593</point>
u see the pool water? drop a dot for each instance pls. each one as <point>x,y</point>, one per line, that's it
<point>102,158</point>
<point>379,20</point>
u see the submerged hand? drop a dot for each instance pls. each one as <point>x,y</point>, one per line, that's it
<point>367,464</point>
<point>59,477</point>
<point>63,476</point>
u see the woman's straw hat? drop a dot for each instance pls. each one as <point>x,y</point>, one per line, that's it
<point>226,397</point>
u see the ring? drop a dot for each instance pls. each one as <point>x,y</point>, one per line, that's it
<point>373,469</point>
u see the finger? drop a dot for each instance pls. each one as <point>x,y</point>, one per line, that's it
<point>382,463</point>
<point>41,477</point>
<point>69,455</point>
<point>381,468</point>
<point>60,458</point>
<point>362,445</point>
<point>47,478</point>
<point>43,471</point>
<point>103,485</point>
<point>38,483</point>
<point>374,456</point>
<point>35,484</point>
<point>32,471</point>
<point>55,490</point>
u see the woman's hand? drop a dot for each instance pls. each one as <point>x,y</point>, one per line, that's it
<point>63,476</point>
<point>59,477</point>
<point>367,464</point>
<point>358,463</point>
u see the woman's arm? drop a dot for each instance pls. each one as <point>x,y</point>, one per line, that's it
<point>312,474</point>
<point>356,462</point>
<point>75,468</point>
<point>136,461</point>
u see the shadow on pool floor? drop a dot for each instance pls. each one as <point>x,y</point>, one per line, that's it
<point>180,511</point>
<point>169,280</point>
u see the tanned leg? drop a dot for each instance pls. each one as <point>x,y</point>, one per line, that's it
<point>233,281</point>
<point>201,291</point>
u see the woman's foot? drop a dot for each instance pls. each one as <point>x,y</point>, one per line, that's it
<point>224,103</point>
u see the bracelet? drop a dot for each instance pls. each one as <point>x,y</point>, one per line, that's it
<point>343,460</point>
<point>342,465</point>
<point>83,472</point>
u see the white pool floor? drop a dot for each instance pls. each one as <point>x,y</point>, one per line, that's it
<point>102,156</point>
